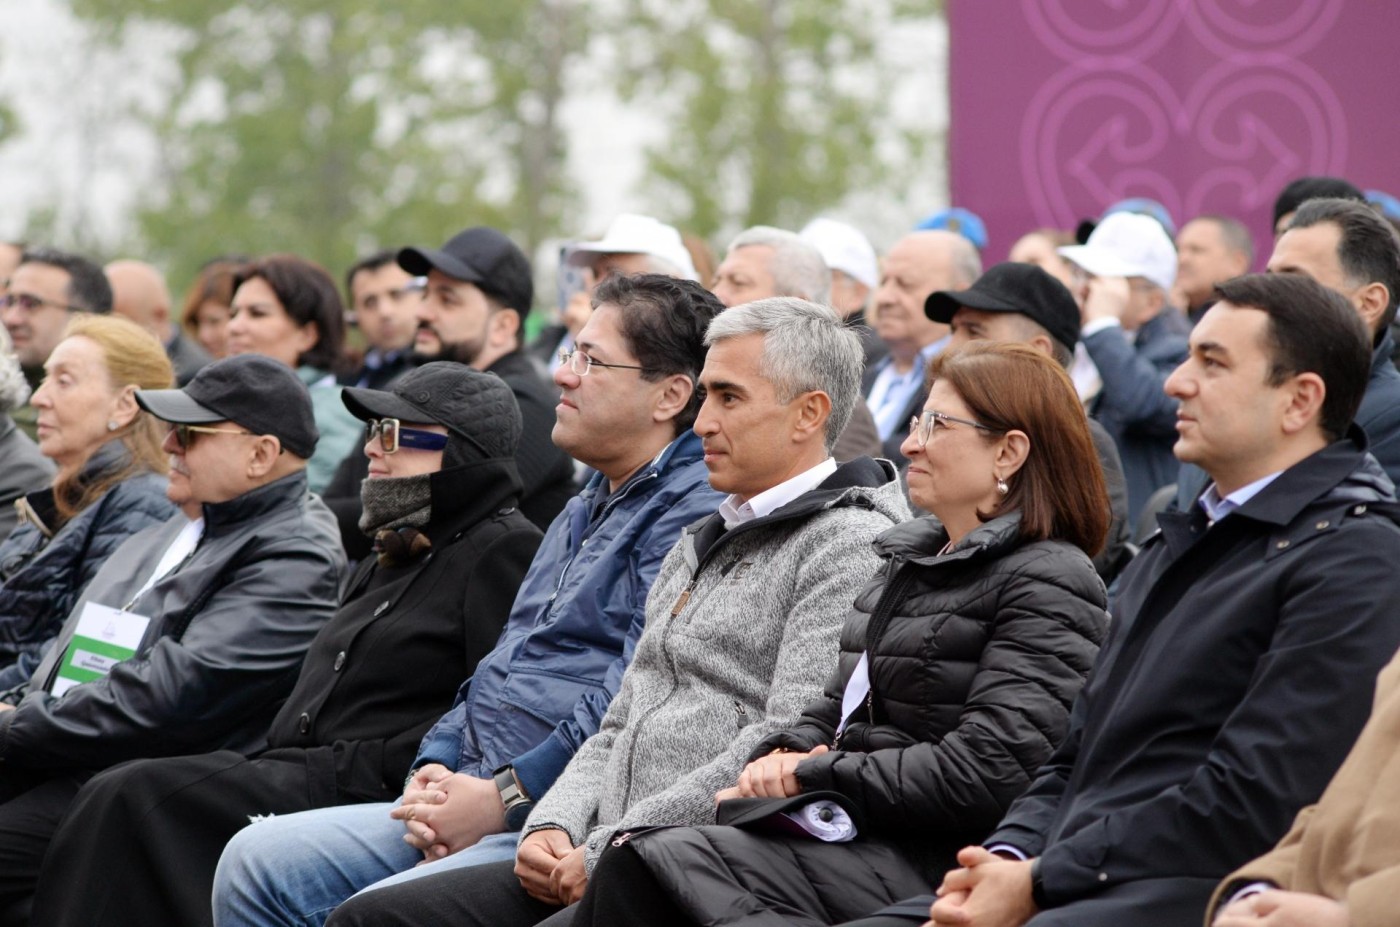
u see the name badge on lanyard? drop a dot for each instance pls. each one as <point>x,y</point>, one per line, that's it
<point>105,636</point>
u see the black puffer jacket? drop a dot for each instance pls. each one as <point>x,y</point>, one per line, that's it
<point>976,656</point>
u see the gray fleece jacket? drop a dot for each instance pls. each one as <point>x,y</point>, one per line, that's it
<point>741,634</point>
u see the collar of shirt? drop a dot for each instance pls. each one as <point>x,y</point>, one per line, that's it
<point>891,391</point>
<point>736,513</point>
<point>1217,508</point>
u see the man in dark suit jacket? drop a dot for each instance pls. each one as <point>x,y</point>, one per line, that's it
<point>1245,641</point>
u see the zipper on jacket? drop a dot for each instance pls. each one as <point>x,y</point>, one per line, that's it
<point>602,515</point>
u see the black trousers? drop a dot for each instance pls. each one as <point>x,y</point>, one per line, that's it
<point>1176,902</point>
<point>143,839</point>
<point>31,809</point>
<point>479,896</point>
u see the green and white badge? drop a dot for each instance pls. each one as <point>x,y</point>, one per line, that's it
<point>105,636</point>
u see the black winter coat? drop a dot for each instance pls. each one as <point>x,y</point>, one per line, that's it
<point>388,664</point>
<point>1239,671</point>
<point>975,658</point>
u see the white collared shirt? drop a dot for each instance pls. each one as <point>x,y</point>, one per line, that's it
<point>891,391</point>
<point>735,511</point>
<point>1217,508</point>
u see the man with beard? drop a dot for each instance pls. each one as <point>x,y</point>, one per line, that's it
<point>477,293</point>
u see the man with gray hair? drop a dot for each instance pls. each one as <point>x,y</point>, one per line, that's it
<point>742,622</point>
<point>763,262</point>
<point>917,265</point>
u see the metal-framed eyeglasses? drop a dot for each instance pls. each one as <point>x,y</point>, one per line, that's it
<point>922,426</point>
<point>393,435</point>
<point>184,434</point>
<point>580,363</point>
<point>31,303</point>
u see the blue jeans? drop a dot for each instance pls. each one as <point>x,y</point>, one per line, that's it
<point>294,869</point>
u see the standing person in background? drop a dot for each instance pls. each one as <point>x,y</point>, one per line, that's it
<point>287,308</point>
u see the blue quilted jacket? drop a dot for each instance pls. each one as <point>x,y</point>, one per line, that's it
<point>41,577</point>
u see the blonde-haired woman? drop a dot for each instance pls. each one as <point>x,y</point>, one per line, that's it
<point>110,482</point>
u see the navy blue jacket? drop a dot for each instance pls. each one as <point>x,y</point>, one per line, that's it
<point>1238,671</point>
<point>542,692</point>
<point>41,578</point>
<point>1133,406</point>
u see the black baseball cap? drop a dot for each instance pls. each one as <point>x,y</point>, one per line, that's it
<point>1014,287</point>
<point>476,407</point>
<point>484,257</point>
<point>252,390</point>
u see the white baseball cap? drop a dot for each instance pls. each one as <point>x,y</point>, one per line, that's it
<point>844,248</point>
<point>634,234</point>
<point>1127,244</point>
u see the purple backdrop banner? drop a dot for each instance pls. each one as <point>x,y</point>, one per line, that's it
<point>1060,107</point>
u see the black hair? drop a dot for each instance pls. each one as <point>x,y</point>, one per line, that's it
<point>369,262</point>
<point>307,294</point>
<point>1312,329</point>
<point>1369,250</point>
<point>1307,188</point>
<point>88,289</point>
<point>664,321</point>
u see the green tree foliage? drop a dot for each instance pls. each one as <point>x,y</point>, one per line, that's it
<point>776,109</point>
<point>326,127</point>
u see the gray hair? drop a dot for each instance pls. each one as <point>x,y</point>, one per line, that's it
<point>797,266</point>
<point>805,347</point>
<point>14,388</point>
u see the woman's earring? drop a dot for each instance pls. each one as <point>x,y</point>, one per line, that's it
<point>112,425</point>
<point>1002,488</point>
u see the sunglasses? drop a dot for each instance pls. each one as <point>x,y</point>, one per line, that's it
<point>392,436</point>
<point>184,434</point>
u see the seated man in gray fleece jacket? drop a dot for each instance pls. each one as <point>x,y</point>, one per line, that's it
<point>742,621</point>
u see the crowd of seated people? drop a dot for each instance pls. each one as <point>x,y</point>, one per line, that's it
<point>833,588</point>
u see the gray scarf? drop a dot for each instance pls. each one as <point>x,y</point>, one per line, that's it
<point>395,503</point>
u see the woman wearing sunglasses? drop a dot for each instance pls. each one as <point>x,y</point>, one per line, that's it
<point>110,482</point>
<point>959,664</point>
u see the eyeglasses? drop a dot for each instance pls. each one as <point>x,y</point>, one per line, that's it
<point>392,436</point>
<point>184,434</point>
<point>580,363</point>
<point>30,303</point>
<point>921,426</point>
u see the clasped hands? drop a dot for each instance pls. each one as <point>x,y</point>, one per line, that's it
<point>444,812</point>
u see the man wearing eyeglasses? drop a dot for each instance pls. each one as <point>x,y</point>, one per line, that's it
<point>533,701</point>
<point>43,292</point>
<point>190,636</point>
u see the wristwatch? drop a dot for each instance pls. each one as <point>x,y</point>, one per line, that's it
<point>1038,886</point>
<point>513,796</point>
